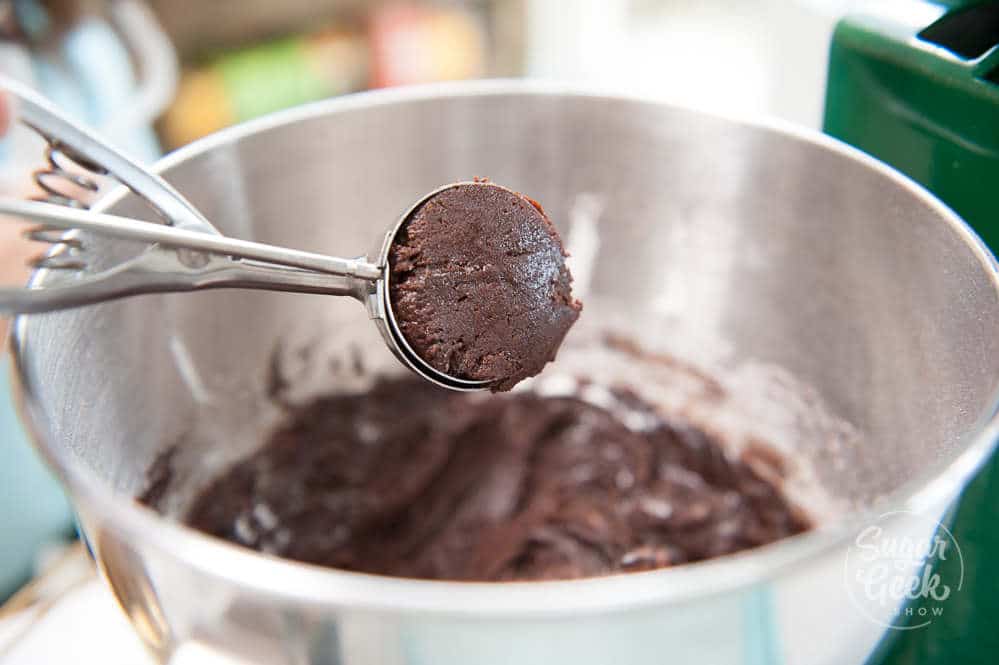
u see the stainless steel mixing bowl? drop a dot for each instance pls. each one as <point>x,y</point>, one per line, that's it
<point>783,245</point>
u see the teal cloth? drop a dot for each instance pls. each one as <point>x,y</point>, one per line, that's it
<point>33,508</point>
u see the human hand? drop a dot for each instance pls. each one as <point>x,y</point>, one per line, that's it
<point>13,250</point>
<point>4,114</point>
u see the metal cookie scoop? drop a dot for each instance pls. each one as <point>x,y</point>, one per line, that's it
<point>186,253</point>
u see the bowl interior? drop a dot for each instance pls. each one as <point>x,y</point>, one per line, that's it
<point>731,246</point>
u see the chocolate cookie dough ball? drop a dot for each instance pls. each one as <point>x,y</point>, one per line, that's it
<point>479,285</point>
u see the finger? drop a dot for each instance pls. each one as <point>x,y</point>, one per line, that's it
<point>4,114</point>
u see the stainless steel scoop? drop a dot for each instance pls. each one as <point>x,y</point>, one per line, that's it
<point>186,253</point>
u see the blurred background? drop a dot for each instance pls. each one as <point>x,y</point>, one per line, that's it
<point>154,76</point>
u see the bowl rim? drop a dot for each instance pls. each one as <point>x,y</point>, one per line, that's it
<point>324,587</point>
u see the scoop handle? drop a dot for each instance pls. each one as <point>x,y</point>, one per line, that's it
<point>91,152</point>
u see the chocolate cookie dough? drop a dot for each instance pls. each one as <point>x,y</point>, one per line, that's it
<point>409,480</point>
<point>479,285</point>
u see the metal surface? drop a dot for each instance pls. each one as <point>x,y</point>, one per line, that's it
<point>86,149</point>
<point>211,261</point>
<point>792,249</point>
<point>123,228</point>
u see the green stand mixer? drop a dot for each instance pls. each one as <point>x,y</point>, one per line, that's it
<point>916,84</point>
